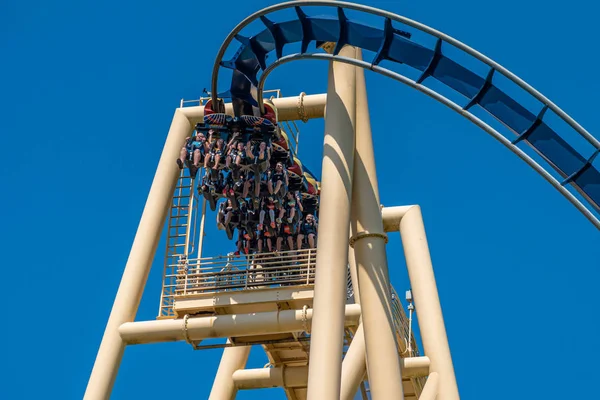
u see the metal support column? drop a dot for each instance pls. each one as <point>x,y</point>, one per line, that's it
<point>383,364</point>
<point>354,367</point>
<point>140,260</point>
<point>233,359</point>
<point>327,334</point>
<point>427,302</point>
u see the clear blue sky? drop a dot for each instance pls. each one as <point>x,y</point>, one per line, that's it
<point>88,90</point>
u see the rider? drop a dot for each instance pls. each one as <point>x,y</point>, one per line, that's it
<point>246,242</point>
<point>240,157</point>
<point>278,178</point>
<point>215,154</point>
<point>252,175</point>
<point>195,146</point>
<point>262,238</point>
<point>221,216</point>
<point>231,150</point>
<point>289,207</point>
<point>308,228</point>
<point>230,211</point>
<point>262,155</point>
<point>268,205</point>
<point>286,231</point>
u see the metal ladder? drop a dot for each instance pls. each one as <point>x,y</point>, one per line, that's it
<point>180,240</point>
<point>180,218</point>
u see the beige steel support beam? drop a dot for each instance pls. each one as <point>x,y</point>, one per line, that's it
<point>294,108</point>
<point>297,377</point>
<point>409,221</point>
<point>354,366</point>
<point>431,389</point>
<point>327,334</point>
<point>414,367</point>
<point>142,252</point>
<point>392,216</point>
<point>302,107</point>
<point>233,358</point>
<point>140,260</point>
<point>263,378</point>
<point>199,328</point>
<point>383,361</point>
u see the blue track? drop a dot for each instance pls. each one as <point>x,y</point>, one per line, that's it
<point>574,162</point>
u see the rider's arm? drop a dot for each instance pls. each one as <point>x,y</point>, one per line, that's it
<point>299,202</point>
<point>235,134</point>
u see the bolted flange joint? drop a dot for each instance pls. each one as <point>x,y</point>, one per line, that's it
<point>363,235</point>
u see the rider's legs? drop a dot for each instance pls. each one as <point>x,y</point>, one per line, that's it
<point>257,182</point>
<point>270,186</point>
<point>197,157</point>
<point>311,240</point>
<point>272,216</point>
<point>247,185</point>
<point>182,156</point>
<point>278,186</point>
<point>299,241</point>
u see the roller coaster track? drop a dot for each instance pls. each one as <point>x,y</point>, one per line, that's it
<point>570,154</point>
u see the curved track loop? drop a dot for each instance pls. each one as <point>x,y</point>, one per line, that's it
<point>455,107</point>
<point>573,161</point>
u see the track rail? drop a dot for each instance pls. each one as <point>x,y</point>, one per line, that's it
<point>576,171</point>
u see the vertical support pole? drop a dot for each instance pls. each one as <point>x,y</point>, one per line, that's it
<point>202,223</point>
<point>354,366</point>
<point>233,358</point>
<point>427,302</point>
<point>430,391</point>
<point>383,364</point>
<point>327,335</point>
<point>140,260</point>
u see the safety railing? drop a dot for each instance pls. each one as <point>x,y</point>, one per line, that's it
<point>252,271</point>
<point>231,272</point>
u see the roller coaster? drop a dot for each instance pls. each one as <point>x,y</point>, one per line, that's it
<point>320,304</point>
